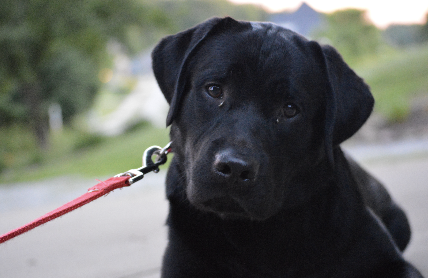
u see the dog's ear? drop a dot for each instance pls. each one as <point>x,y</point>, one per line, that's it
<point>349,100</point>
<point>170,57</point>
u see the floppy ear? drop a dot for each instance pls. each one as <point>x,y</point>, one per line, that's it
<point>170,56</point>
<point>349,100</point>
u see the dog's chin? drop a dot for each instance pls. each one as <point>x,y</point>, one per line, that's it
<point>224,207</point>
<point>228,209</point>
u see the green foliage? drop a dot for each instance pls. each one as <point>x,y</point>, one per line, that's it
<point>395,79</point>
<point>352,34</point>
<point>52,51</point>
<point>18,147</point>
<point>403,35</point>
<point>88,140</point>
<point>71,84</point>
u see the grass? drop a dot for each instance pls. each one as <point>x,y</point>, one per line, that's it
<point>75,153</point>
<point>395,79</point>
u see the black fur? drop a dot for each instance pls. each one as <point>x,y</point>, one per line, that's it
<point>258,186</point>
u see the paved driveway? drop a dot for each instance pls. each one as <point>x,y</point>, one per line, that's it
<point>123,234</point>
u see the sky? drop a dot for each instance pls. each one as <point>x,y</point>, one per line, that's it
<point>380,12</point>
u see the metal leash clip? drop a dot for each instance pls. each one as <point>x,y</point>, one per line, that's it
<point>148,164</point>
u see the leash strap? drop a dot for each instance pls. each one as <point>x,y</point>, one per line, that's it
<point>93,193</point>
<point>101,189</point>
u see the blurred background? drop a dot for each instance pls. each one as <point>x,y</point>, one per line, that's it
<point>77,95</point>
<point>78,99</point>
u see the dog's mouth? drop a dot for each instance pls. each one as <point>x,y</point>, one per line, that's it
<point>225,207</point>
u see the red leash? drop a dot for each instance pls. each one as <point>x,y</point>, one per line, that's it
<point>101,189</point>
<point>93,193</point>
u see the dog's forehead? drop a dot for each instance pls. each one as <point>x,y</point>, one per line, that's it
<point>278,42</point>
<point>263,44</point>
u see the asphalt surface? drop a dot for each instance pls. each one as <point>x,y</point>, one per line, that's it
<point>123,234</point>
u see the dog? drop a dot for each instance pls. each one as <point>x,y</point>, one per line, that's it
<point>258,185</point>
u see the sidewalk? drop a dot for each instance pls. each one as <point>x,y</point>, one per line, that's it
<point>119,235</point>
<point>123,235</point>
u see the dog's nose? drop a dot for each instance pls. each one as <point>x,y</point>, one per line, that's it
<point>235,168</point>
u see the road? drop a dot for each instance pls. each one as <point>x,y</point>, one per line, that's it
<point>123,234</point>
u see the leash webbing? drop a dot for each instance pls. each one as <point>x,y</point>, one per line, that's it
<point>101,189</point>
<point>93,193</point>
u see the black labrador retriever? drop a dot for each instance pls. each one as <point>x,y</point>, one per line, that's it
<point>258,186</point>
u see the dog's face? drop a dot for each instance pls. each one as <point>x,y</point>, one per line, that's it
<point>254,111</point>
<point>246,118</point>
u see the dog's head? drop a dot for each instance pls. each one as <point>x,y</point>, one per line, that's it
<point>256,111</point>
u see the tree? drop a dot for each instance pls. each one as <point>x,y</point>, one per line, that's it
<point>352,34</point>
<point>403,35</point>
<point>52,51</point>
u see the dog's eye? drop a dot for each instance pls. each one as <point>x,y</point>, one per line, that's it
<point>290,110</point>
<point>214,91</point>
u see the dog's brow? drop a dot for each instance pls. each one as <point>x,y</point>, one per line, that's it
<point>213,75</point>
